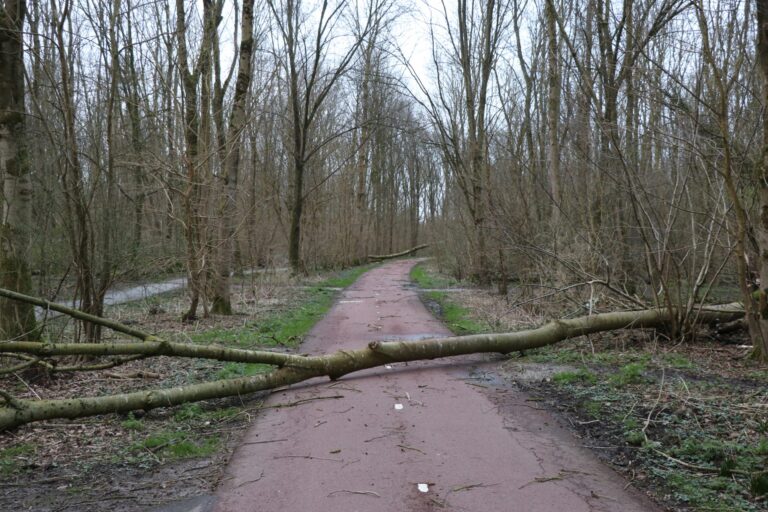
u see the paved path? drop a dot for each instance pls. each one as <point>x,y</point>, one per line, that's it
<point>410,428</point>
<point>139,292</point>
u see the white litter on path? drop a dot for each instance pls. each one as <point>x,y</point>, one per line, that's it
<point>398,407</point>
<point>423,487</point>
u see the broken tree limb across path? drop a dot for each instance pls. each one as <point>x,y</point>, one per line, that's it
<point>398,427</point>
<point>382,257</point>
<point>352,356</point>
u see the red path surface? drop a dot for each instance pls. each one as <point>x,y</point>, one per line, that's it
<point>364,452</point>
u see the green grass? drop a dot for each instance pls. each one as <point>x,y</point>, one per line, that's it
<point>634,437</point>
<point>700,433</point>
<point>286,328</point>
<point>178,445</point>
<point>426,278</point>
<point>678,361</point>
<point>188,412</point>
<point>570,354</point>
<point>456,317</point>
<point>569,377</point>
<point>592,408</point>
<point>9,457</point>
<point>628,374</point>
<point>132,423</point>
<point>346,277</point>
<point>236,370</point>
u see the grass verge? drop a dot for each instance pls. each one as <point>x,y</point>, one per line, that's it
<point>698,441</point>
<point>62,462</point>
<point>426,277</point>
<point>287,326</point>
<point>458,318</point>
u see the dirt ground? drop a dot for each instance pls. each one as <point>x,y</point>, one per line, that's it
<point>134,462</point>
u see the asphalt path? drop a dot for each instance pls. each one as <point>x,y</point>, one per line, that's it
<point>409,437</point>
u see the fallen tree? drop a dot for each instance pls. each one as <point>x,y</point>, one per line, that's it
<point>382,257</point>
<point>293,368</point>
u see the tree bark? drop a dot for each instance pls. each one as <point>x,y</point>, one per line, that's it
<point>309,86</point>
<point>17,320</point>
<point>553,114</point>
<point>196,126</point>
<point>382,257</point>
<point>297,368</point>
<point>222,301</point>
<point>760,337</point>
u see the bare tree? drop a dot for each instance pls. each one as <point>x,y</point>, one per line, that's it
<point>460,112</point>
<point>310,80</point>
<point>237,123</point>
<point>553,110</point>
<point>196,136</point>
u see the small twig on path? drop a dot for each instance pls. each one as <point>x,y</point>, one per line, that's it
<point>379,437</point>
<point>595,495</point>
<point>341,385</point>
<point>470,487</point>
<point>364,493</point>
<point>300,402</point>
<point>559,476</point>
<point>541,480</point>
<point>265,442</point>
<point>308,457</point>
<point>406,447</point>
<point>251,481</point>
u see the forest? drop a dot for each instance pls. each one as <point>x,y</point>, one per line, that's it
<point>607,159</point>
<point>613,144</point>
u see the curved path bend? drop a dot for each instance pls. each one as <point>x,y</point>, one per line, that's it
<point>409,424</point>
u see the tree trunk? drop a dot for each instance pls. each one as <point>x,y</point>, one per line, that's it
<point>760,337</point>
<point>17,320</point>
<point>195,108</point>
<point>383,257</point>
<point>297,209</point>
<point>553,115</point>
<point>222,301</point>
<point>297,368</point>
<point>82,234</point>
